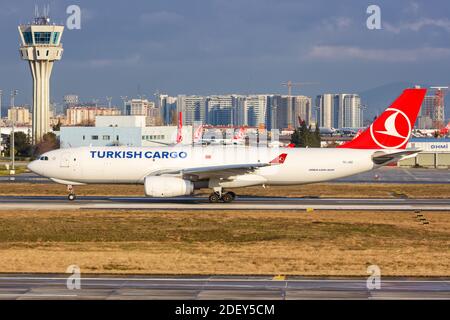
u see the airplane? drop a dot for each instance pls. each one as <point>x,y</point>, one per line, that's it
<point>330,131</point>
<point>180,170</point>
<point>237,139</point>
<point>444,131</point>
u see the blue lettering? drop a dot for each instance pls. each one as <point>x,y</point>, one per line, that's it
<point>165,155</point>
<point>129,154</point>
<point>183,155</point>
<point>173,155</point>
<point>109,154</point>
<point>137,154</point>
<point>148,154</point>
<point>156,155</point>
<point>117,154</point>
<point>101,155</point>
<point>93,154</point>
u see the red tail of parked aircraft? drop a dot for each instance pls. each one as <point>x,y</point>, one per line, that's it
<point>180,127</point>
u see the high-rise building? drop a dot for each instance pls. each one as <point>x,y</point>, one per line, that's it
<point>85,116</point>
<point>433,108</point>
<point>273,104</point>
<point>240,114</point>
<point>19,115</point>
<point>193,109</point>
<point>339,110</point>
<point>256,106</point>
<point>326,114</point>
<point>168,107</point>
<point>220,110</point>
<point>70,100</point>
<point>41,46</point>
<point>351,112</point>
<point>302,108</point>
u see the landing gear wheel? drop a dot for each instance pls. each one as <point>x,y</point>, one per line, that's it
<point>233,195</point>
<point>214,197</point>
<point>227,197</point>
<point>72,196</point>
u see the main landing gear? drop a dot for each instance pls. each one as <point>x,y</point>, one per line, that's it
<point>218,196</point>
<point>71,191</point>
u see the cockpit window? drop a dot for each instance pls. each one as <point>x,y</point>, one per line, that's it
<point>45,158</point>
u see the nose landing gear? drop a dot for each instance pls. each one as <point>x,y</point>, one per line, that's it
<point>71,191</point>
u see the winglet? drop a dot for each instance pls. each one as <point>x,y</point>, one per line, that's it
<point>280,159</point>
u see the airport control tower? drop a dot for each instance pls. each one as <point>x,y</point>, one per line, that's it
<point>41,46</point>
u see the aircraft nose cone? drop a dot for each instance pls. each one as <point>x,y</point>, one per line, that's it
<point>32,166</point>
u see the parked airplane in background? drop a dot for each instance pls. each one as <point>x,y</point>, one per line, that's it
<point>330,131</point>
<point>179,170</point>
<point>444,131</point>
<point>237,139</point>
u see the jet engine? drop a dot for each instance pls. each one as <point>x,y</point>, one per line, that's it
<point>167,187</point>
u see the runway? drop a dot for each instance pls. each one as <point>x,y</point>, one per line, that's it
<point>34,286</point>
<point>201,203</point>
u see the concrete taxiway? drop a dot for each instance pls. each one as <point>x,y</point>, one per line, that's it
<point>201,203</point>
<point>34,286</point>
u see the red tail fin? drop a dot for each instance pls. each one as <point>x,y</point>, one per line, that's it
<point>392,129</point>
<point>180,127</point>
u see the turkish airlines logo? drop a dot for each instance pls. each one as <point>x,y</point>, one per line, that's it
<point>392,130</point>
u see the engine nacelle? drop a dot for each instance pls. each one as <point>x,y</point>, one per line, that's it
<point>165,187</point>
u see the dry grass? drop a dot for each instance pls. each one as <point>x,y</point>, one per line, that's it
<point>225,242</point>
<point>351,190</point>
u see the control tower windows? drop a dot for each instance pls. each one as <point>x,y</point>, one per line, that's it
<point>42,37</point>
<point>55,37</point>
<point>28,37</point>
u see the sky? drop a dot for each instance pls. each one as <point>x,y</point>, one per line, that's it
<point>232,46</point>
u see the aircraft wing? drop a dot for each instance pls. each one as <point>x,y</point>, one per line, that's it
<point>382,158</point>
<point>222,171</point>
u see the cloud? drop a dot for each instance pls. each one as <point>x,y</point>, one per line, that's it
<point>418,25</point>
<point>336,23</point>
<point>333,53</point>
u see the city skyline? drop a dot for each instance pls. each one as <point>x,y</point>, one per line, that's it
<point>178,53</point>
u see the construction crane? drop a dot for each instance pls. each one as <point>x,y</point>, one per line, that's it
<point>439,114</point>
<point>289,84</point>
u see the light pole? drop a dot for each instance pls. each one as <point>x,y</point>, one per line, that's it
<point>124,99</point>
<point>12,147</point>
<point>362,107</point>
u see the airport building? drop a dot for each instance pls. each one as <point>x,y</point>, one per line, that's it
<point>122,131</point>
<point>435,153</point>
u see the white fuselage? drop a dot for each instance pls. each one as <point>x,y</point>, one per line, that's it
<point>130,165</point>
